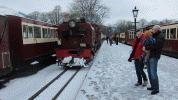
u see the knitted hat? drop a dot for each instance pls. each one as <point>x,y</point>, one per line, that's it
<point>147,34</point>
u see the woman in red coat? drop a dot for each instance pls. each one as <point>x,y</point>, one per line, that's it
<point>139,65</point>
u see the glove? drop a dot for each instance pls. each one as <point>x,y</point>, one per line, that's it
<point>130,60</point>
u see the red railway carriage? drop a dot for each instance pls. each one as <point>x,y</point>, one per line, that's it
<point>171,36</point>
<point>5,65</point>
<point>29,40</point>
<point>98,36</point>
<point>78,40</point>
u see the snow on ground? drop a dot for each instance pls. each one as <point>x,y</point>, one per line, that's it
<point>111,77</point>
<point>23,88</point>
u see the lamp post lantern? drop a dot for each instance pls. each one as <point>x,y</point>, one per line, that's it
<point>135,13</point>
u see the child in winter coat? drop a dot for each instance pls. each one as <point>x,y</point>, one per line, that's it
<point>148,39</point>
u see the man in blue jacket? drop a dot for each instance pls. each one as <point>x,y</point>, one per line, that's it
<point>155,54</point>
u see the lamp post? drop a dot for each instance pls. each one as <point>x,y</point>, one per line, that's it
<point>135,13</point>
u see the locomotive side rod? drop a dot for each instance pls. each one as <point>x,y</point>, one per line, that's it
<point>60,91</point>
<point>42,89</point>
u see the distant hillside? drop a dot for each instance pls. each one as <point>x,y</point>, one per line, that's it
<point>9,11</point>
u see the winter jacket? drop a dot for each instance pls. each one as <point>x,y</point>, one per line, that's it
<point>148,41</point>
<point>156,48</point>
<point>138,51</point>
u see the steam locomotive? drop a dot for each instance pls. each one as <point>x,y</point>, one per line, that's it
<point>78,40</point>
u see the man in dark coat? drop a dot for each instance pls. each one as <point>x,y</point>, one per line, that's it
<point>155,54</point>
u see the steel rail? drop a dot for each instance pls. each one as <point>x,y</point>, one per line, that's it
<point>60,91</point>
<point>42,89</point>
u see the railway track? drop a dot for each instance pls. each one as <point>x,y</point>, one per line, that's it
<point>36,95</point>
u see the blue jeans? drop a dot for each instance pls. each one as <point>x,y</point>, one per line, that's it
<point>152,73</point>
<point>139,71</point>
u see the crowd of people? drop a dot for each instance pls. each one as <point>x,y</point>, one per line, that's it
<point>111,39</point>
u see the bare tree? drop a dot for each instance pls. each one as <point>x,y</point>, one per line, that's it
<point>167,21</point>
<point>68,16</point>
<point>123,25</point>
<point>57,14</point>
<point>92,10</point>
<point>34,15</point>
<point>54,17</point>
<point>154,22</point>
<point>51,17</point>
<point>142,22</point>
<point>44,17</point>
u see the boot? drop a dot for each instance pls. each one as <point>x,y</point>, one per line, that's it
<point>145,83</point>
<point>137,84</point>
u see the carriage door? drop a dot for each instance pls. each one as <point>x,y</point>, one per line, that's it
<point>4,43</point>
<point>5,59</point>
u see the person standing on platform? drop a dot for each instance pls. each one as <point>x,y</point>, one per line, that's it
<point>155,54</point>
<point>107,38</point>
<point>110,40</point>
<point>136,54</point>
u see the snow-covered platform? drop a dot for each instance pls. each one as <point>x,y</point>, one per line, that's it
<point>112,77</point>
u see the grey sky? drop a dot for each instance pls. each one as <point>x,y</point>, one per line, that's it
<point>119,9</point>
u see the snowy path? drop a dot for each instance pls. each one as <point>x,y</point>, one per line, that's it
<point>112,77</point>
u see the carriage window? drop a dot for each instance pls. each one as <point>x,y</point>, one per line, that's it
<point>49,33</point>
<point>167,33</point>
<point>173,33</point>
<point>52,32</point>
<point>37,32</point>
<point>30,32</point>
<point>45,34</point>
<point>164,32</point>
<point>129,34</point>
<point>25,33</point>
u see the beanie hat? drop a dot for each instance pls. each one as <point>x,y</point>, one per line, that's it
<point>147,34</point>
